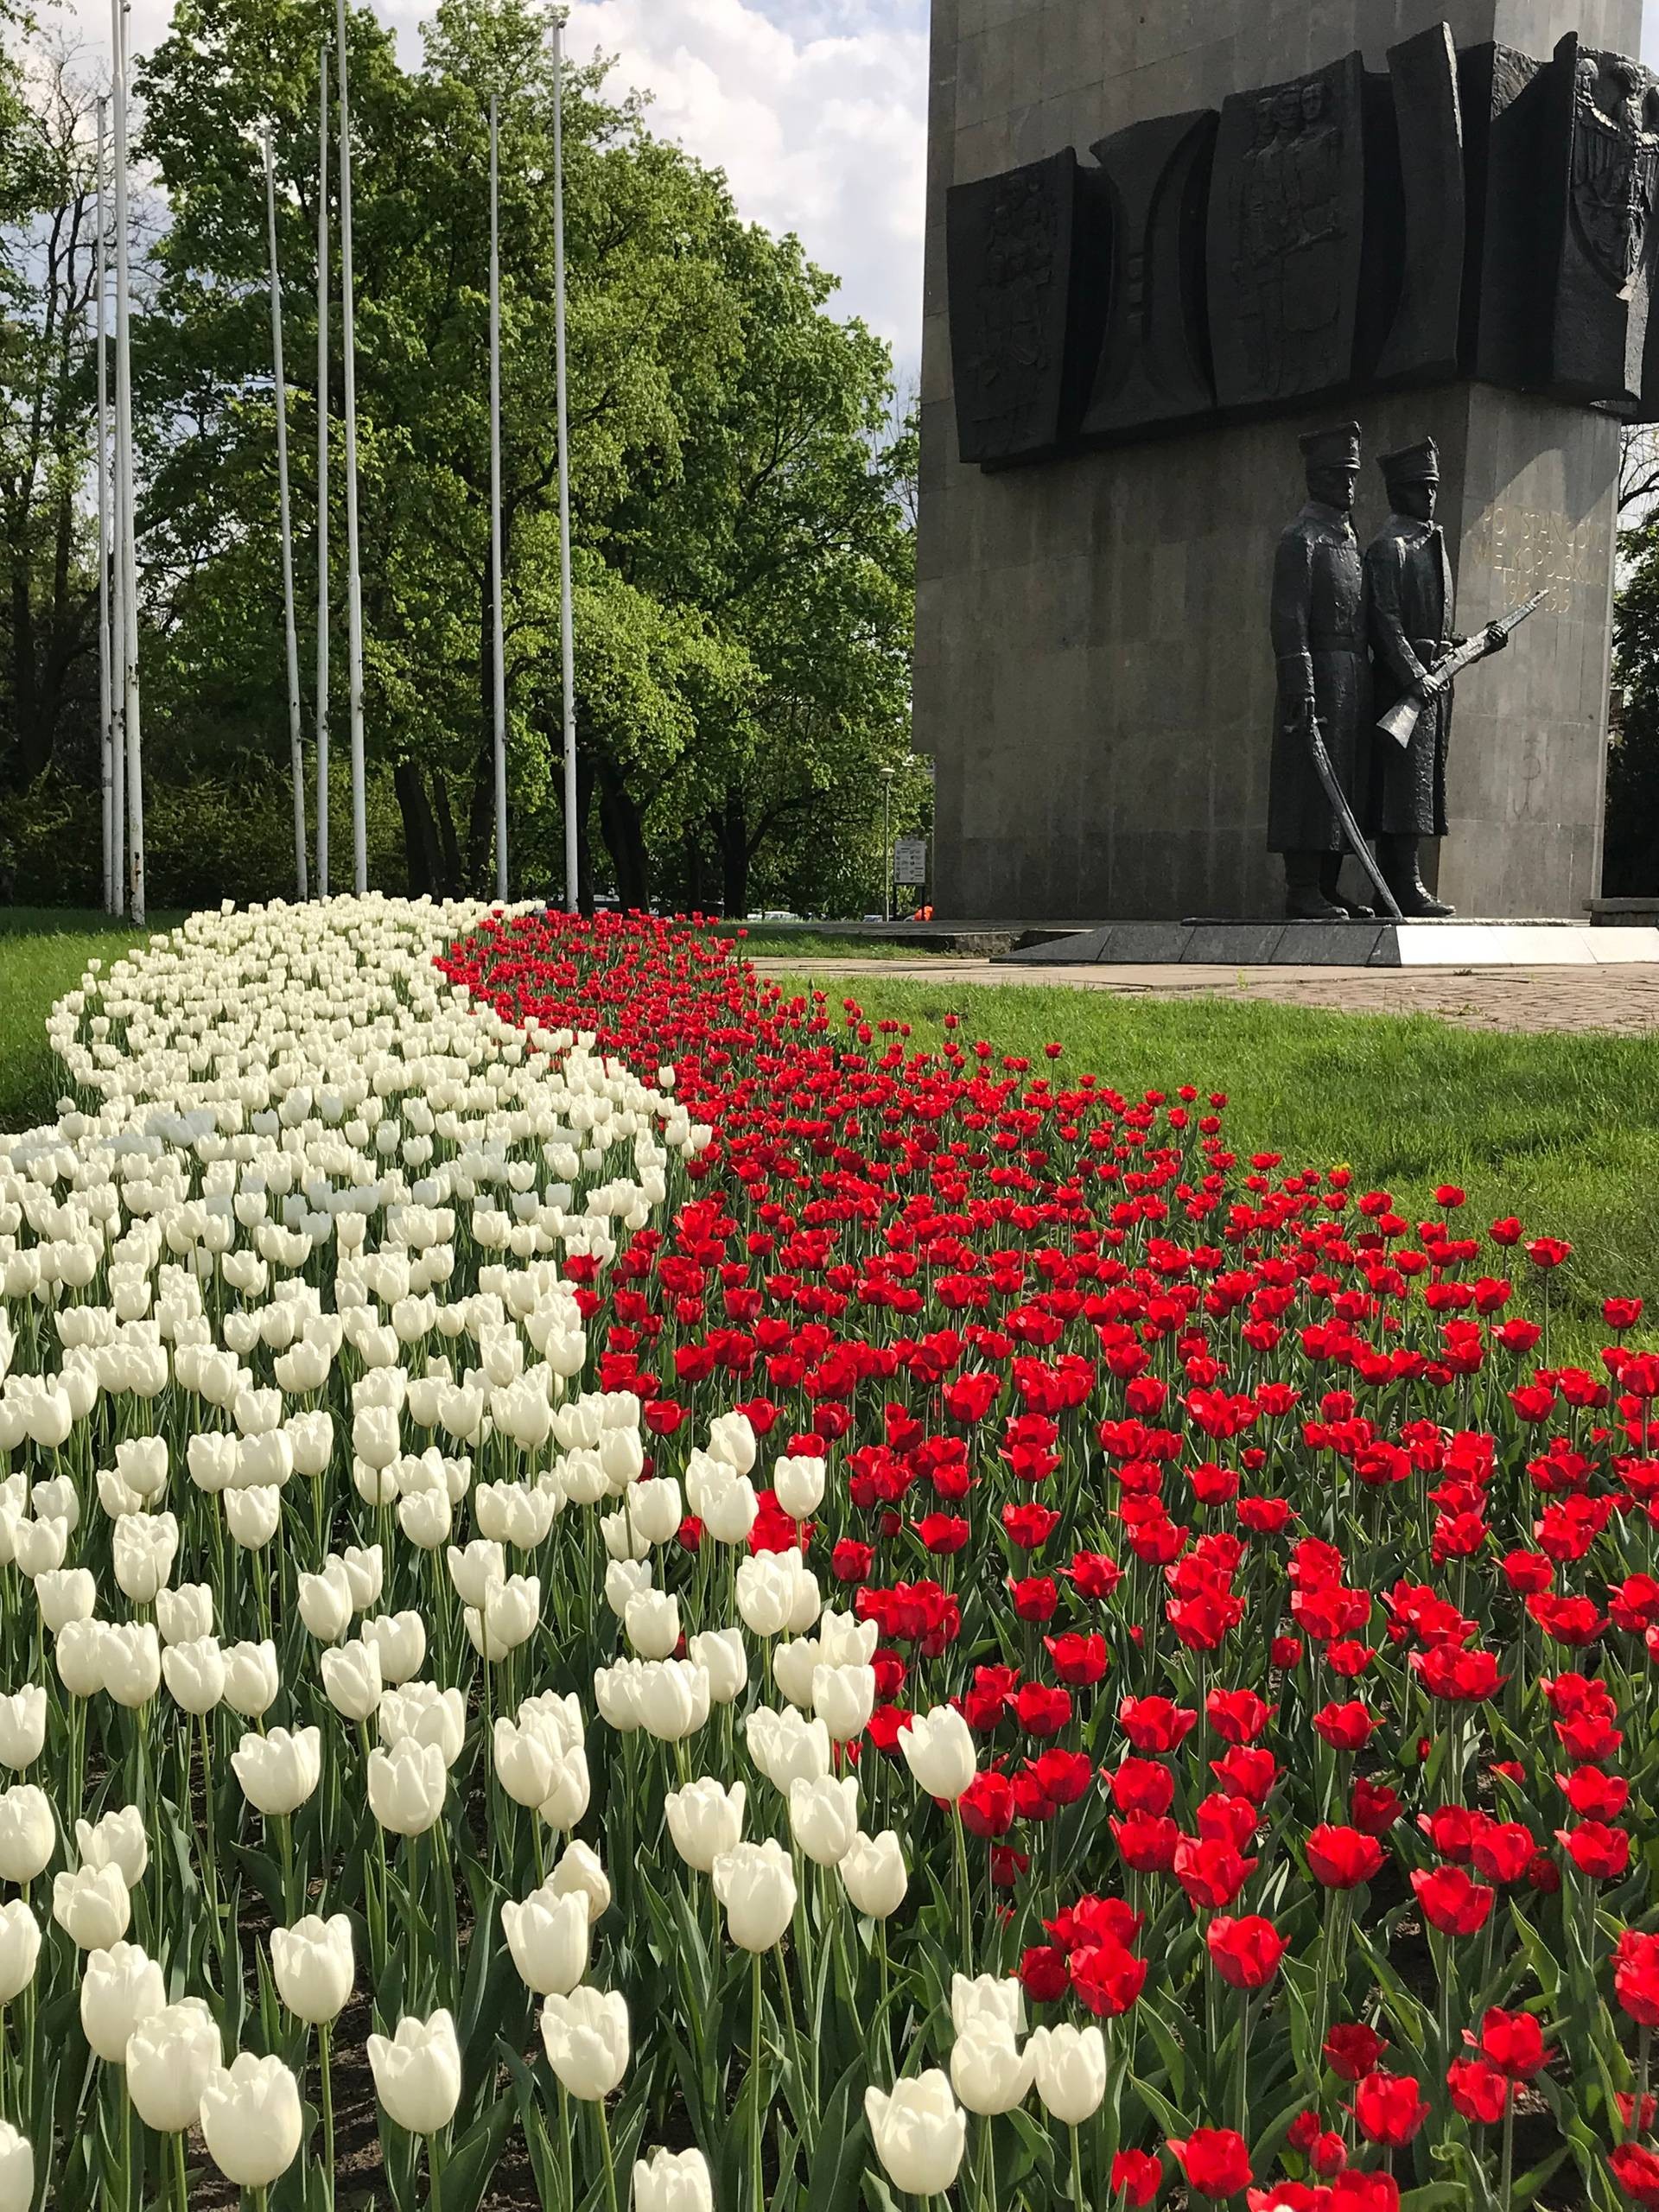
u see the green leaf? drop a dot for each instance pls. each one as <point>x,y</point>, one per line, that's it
<point>832,2178</point>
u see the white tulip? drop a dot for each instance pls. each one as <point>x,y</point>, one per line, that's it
<point>250,1678</point>
<point>117,1839</point>
<point>873,1874</point>
<point>22,1727</point>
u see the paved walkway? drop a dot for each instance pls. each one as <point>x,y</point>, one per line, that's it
<point>1622,998</point>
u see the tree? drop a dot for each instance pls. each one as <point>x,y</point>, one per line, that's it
<point>48,621</point>
<point>1630,851</point>
<point>741,556</point>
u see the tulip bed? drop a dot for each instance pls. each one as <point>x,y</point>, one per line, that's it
<point>615,1583</point>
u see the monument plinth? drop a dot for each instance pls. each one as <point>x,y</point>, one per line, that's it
<point>1194,234</point>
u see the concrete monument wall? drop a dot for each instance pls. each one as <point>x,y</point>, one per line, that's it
<point>1093,675</point>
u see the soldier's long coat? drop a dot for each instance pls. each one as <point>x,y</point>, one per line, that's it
<point>1318,642</point>
<point>1409,591</point>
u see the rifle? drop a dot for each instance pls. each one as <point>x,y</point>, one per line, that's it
<point>1344,812</point>
<point>1400,721</point>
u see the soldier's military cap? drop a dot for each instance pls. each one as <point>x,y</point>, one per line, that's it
<point>1417,464</point>
<point>1337,447</point>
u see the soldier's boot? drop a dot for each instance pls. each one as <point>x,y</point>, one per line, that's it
<point>1303,901</point>
<point>1397,857</point>
<point>1331,886</point>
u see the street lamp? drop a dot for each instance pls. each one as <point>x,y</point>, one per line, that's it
<point>886,844</point>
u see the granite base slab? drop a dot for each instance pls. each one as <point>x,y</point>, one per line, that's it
<point>1453,943</point>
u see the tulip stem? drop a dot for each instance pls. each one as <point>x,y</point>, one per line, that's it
<point>285,1831</point>
<point>325,2038</point>
<point>757,2110</point>
<point>808,2094</point>
<point>606,2154</point>
<point>987,2165</point>
<point>435,2170</point>
<point>126,2142</point>
<point>1076,2169</point>
<point>564,2147</point>
<point>1506,2182</point>
<point>960,1835</point>
<point>1240,2123</point>
<point>886,1999</point>
<point>181,2177</point>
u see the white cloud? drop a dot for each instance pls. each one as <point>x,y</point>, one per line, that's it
<point>819,122</point>
<point>817,111</point>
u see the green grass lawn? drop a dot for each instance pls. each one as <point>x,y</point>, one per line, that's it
<point>1562,1131</point>
<point>761,943</point>
<point>43,953</point>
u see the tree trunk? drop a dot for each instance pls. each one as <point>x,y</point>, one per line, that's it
<point>584,842</point>
<point>420,841</point>
<point>451,881</point>
<point>623,826</point>
<point>734,857</point>
<point>693,891</point>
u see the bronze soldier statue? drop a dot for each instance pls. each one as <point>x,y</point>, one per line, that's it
<point>1319,641</point>
<point>1409,595</point>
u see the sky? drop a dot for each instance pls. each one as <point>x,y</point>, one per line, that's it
<point>816,109</point>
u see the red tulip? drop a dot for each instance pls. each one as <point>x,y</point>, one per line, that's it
<point>1595,1849</point>
<point>1044,1973</point>
<point>1136,2178</point>
<point>1450,1902</point>
<point>1212,1872</point>
<point>1146,1844</point>
<point>1341,1858</point>
<point>1237,1716</point>
<point>1155,1724</point>
<point>1351,2049</point>
<point>1636,1976</point>
<point>1345,1727</point>
<point>1107,1978</point>
<point>1216,2161</point>
<point>1245,1951</point>
<point>1078,1660</point>
<point>1389,2108</point>
<point>1478,2091</point>
<point>1512,2042</point>
<point>1637,2172</point>
<point>1141,1786</point>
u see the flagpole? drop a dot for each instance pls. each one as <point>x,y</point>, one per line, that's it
<point>117,653</point>
<point>134,796</point>
<point>497,643</point>
<point>297,755</point>
<point>567,650</point>
<point>353,580</point>
<point>322,471</point>
<point>105,722</point>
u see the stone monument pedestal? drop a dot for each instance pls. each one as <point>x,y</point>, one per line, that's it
<point>1093,675</point>
<point>1454,943</point>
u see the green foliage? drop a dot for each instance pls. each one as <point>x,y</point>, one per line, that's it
<point>1630,864</point>
<point>206,837</point>
<point>742,547</point>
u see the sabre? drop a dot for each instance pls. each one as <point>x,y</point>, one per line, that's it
<point>1344,812</point>
<point>1401,720</point>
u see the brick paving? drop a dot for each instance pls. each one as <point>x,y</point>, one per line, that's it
<point>1624,999</point>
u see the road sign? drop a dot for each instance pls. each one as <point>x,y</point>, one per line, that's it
<point>910,859</point>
